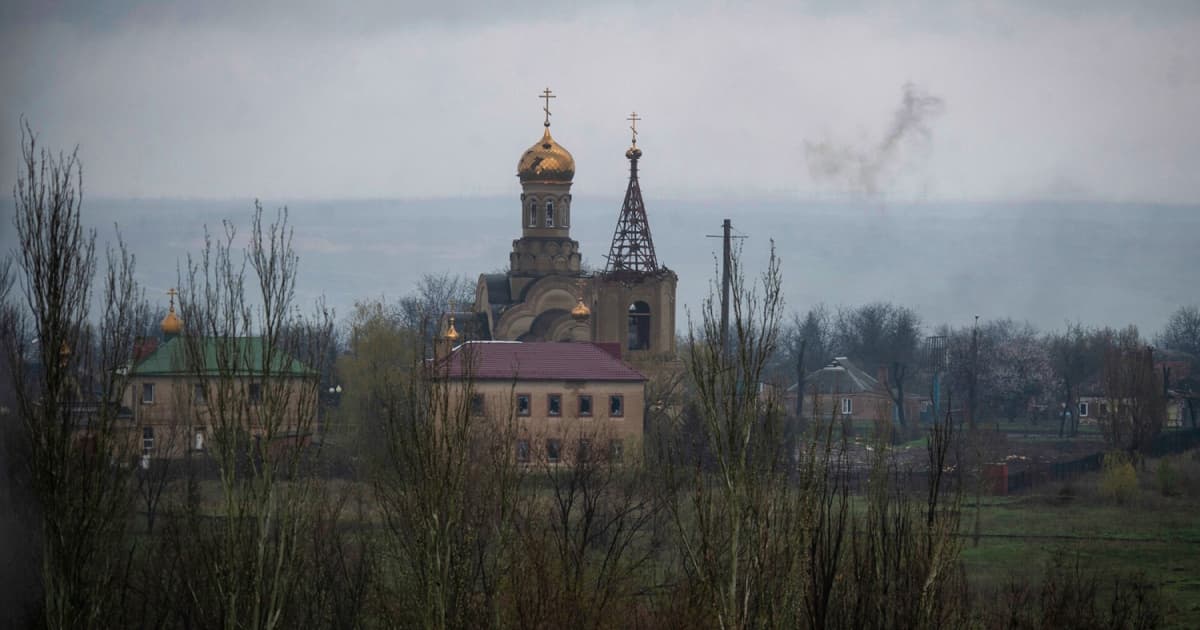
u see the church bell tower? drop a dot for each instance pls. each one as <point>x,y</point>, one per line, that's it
<point>545,247</point>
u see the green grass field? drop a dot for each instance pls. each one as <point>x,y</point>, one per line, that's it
<point>1153,534</point>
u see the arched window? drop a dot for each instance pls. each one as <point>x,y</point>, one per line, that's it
<point>549,214</point>
<point>639,326</point>
<point>566,215</point>
<point>533,213</point>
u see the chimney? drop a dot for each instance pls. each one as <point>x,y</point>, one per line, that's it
<point>881,375</point>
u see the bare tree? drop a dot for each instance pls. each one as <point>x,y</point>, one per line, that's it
<point>261,382</point>
<point>1137,408</point>
<point>67,384</point>
<point>885,337</point>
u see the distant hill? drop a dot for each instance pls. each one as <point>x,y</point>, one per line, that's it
<point>1046,262</point>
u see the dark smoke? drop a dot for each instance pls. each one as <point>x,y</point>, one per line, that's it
<point>862,168</point>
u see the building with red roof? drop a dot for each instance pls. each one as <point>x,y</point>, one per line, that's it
<point>567,399</point>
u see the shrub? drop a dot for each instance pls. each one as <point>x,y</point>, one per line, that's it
<point>1118,480</point>
<point>1168,478</point>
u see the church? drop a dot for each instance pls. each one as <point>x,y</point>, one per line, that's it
<point>546,296</point>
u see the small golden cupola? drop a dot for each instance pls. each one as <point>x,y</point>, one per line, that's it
<point>172,325</point>
<point>451,333</point>
<point>581,312</point>
<point>546,161</point>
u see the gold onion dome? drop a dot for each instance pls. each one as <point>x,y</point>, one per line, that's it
<point>546,161</point>
<point>581,312</point>
<point>172,324</point>
<point>451,333</point>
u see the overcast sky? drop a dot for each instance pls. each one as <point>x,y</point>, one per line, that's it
<point>296,100</point>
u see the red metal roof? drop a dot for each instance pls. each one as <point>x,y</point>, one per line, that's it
<point>538,361</point>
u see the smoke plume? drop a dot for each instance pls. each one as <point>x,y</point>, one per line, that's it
<point>863,169</point>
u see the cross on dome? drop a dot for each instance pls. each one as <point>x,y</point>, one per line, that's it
<point>547,95</point>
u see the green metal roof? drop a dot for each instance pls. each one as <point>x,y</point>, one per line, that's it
<point>240,356</point>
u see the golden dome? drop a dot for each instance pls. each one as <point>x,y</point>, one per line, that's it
<point>581,312</point>
<point>171,324</point>
<point>451,333</point>
<point>546,161</point>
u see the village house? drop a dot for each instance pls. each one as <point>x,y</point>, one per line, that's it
<point>176,405</point>
<point>844,390</point>
<point>568,399</point>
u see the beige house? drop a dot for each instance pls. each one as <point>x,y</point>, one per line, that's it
<point>567,398</point>
<point>177,405</point>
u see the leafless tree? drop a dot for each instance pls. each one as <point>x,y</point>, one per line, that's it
<point>1137,408</point>
<point>69,371</point>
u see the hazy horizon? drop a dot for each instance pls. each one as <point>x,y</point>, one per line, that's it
<point>1046,262</point>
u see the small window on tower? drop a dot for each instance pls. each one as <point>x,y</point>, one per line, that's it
<point>549,214</point>
<point>532,214</point>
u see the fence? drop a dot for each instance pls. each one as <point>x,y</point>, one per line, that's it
<point>1037,474</point>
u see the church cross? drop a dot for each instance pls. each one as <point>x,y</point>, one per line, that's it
<point>172,292</point>
<point>633,118</point>
<point>547,95</point>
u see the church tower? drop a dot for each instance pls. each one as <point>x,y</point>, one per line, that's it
<point>635,296</point>
<point>545,247</point>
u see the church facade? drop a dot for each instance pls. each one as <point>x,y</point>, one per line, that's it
<point>546,296</point>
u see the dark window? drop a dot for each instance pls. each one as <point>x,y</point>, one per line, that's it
<point>1083,409</point>
<point>554,404</point>
<point>553,450</point>
<point>616,405</point>
<point>847,407</point>
<point>198,395</point>
<point>584,452</point>
<point>147,440</point>
<point>255,392</point>
<point>522,451</point>
<point>147,393</point>
<point>522,404</point>
<point>639,326</point>
<point>532,214</point>
<point>585,405</point>
<point>616,450</point>
<point>549,214</point>
<point>477,404</point>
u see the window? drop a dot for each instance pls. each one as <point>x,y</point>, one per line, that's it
<point>522,404</point>
<point>549,214</point>
<point>198,395</point>
<point>616,406</point>
<point>1083,410</point>
<point>616,450</point>
<point>147,440</point>
<point>198,439</point>
<point>255,392</point>
<point>523,451</point>
<point>147,393</point>
<point>554,404</point>
<point>584,452</point>
<point>553,450</point>
<point>533,214</point>
<point>585,405</point>
<point>847,407</point>
<point>477,404</point>
<point>639,326</point>
<point>565,215</point>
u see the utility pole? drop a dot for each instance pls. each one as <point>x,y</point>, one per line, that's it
<point>726,263</point>
<point>974,372</point>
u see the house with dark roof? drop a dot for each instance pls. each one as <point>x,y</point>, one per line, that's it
<point>568,399</point>
<point>184,389</point>
<point>844,390</point>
